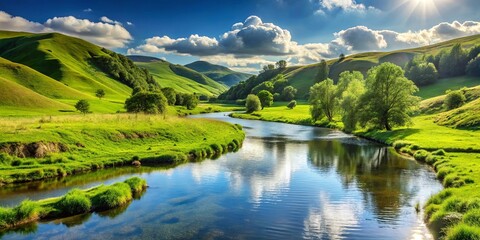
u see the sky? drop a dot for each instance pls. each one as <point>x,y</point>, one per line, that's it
<point>244,35</point>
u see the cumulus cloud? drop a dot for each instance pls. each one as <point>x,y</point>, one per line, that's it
<point>105,34</point>
<point>108,20</point>
<point>252,41</point>
<point>345,5</point>
<point>253,36</point>
<point>129,23</point>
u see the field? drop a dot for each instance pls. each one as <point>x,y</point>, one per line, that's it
<point>64,145</point>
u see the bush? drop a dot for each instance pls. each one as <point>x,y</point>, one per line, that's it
<point>439,152</point>
<point>73,203</point>
<point>5,159</point>
<point>292,104</point>
<point>147,102</point>
<point>400,144</point>
<point>82,106</point>
<point>266,98</point>
<point>252,103</point>
<point>421,155</point>
<point>454,99</point>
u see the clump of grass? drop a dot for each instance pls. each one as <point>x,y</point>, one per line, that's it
<point>439,152</point>
<point>400,144</point>
<point>421,155</point>
<point>136,184</point>
<point>472,218</point>
<point>463,232</point>
<point>25,212</point>
<point>73,203</point>
<point>113,196</point>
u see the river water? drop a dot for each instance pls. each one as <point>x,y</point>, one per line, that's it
<point>286,182</point>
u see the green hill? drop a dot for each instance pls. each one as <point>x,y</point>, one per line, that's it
<point>218,73</point>
<point>302,77</point>
<point>65,69</point>
<point>180,78</point>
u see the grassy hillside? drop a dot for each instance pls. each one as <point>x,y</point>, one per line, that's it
<point>302,77</point>
<point>182,79</point>
<point>445,84</point>
<point>218,73</point>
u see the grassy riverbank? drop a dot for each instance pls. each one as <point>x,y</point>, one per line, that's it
<point>453,153</point>
<point>75,202</point>
<point>43,147</point>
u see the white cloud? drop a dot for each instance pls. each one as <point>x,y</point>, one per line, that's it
<point>102,33</point>
<point>345,5</point>
<point>11,23</point>
<point>129,23</point>
<point>108,20</point>
<point>88,10</point>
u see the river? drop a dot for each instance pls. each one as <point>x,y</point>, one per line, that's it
<point>286,182</point>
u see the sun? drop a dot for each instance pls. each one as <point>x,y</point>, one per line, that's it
<point>421,9</point>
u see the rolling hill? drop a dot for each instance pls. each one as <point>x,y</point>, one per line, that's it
<point>218,73</point>
<point>178,77</point>
<point>303,77</point>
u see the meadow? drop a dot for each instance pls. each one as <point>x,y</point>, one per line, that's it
<point>35,148</point>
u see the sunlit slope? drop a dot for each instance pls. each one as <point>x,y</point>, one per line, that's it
<point>63,58</point>
<point>182,79</point>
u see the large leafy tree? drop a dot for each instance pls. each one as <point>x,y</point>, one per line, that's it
<point>83,106</point>
<point>388,100</point>
<point>266,98</point>
<point>289,93</point>
<point>323,100</point>
<point>170,94</point>
<point>350,102</point>
<point>147,102</point>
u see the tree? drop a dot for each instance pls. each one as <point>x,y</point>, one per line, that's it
<point>190,101</point>
<point>282,64</point>
<point>83,106</point>
<point>388,100</point>
<point>345,78</point>
<point>350,101</point>
<point>454,99</point>
<point>289,93</point>
<point>252,103</point>
<point>147,102</point>
<point>266,98</point>
<point>292,104</point>
<point>170,94</point>
<point>453,63</point>
<point>268,86</point>
<point>421,72</point>
<point>341,57</point>
<point>100,93</point>
<point>473,67</point>
<point>322,73</point>
<point>179,97</point>
<point>322,100</point>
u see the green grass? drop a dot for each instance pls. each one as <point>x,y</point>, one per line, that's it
<point>73,144</point>
<point>73,203</point>
<point>445,84</point>
<point>166,77</point>
<point>218,73</point>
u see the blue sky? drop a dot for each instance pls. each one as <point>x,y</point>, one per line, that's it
<point>299,31</point>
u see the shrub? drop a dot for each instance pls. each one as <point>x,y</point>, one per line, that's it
<point>5,159</point>
<point>266,98</point>
<point>73,203</point>
<point>292,104</point>
<point>431,159</point>
<point>27,210</point>
<point>136,184</point>
<point>252,103</point>
<point>421,155</point>
<point>82,106</point>
<point>454,99</point>
<point>400,144</point>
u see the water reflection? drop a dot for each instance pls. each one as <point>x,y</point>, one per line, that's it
<point>287,182</point>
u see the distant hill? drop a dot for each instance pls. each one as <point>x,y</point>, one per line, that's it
<point>178,77</point>
<point>303,77</point>
<point>139,58</point>
<point>219,73</point>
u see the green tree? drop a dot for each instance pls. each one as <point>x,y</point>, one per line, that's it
<point>170,94</point>
<point>454,99</point>
<point>350,102</point>
<point>190,101</point>
<point>100,93</point>
<point>268,86</point>
<point>473,67</point>
<point>345,78</point>
<point>83,106</point>
<point>147,102</point>
<point>266,98</point>
<point>388,100</point>
<point>292,104</point>
<point>421,72</point>
<point>453,63</point>
<point>323,100</point>
<point>252,103</point>
<point>282,64</point>
<point>323,71</point>
<point>289,93</point>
